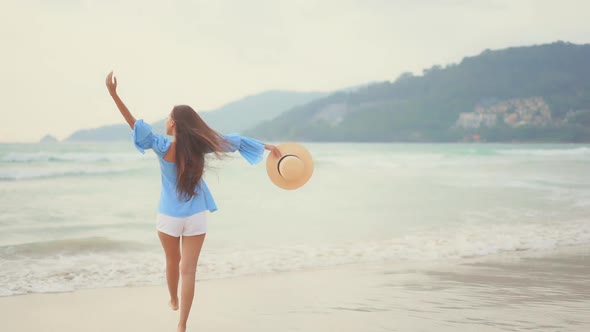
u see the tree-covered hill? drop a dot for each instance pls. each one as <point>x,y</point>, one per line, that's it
<point>428,107</point>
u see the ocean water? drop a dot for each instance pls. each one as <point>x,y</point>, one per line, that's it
<point>82,215</point>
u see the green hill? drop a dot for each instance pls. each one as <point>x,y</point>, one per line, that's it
<point>534,93</point>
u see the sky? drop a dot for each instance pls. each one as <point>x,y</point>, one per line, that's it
<point>56,54</point>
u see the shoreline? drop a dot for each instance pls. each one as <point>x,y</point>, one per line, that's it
<point>538,291</point>
<point>418,266</point>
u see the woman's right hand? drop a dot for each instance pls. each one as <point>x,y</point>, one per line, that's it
<point>111,84</point>
<point>112,87</point>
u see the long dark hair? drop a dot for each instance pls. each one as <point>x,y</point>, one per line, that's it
<point>194,138</point>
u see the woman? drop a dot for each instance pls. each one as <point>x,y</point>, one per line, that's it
<point>184,197</point>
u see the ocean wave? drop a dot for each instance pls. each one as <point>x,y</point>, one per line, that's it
<point>397,160</point>
<point>97,262</point>
<point>572,152</point>
<point>24,174</point>
<point>434,245</point>
<point>38,157</point>
<point>67,247</point>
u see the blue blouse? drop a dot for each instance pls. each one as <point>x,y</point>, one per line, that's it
<point>143,138</point>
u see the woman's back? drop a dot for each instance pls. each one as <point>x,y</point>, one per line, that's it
<point>170,155</point>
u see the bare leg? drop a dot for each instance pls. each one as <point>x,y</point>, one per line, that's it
<point>171,247</point>
<point>191,249</point>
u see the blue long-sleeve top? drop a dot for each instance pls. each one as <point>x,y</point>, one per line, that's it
<point>144,138</point>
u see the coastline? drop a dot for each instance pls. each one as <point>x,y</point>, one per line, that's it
<point>543,291</point>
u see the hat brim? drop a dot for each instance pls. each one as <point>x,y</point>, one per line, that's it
<point>289,149</point>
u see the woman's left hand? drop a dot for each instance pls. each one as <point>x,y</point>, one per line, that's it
<point>273,149</point>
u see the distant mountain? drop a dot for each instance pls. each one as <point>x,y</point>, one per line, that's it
<point>355,87</point>
<point>534,93</point>
<point>250,111</point>
<point>118,132</point>
<point>48,139</point>
<point>237,116</point>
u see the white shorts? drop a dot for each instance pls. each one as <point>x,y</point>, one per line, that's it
<point>186,226</point>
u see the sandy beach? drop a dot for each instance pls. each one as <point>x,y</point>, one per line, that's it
<point>545,292</point>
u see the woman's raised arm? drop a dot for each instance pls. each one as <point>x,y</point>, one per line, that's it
<point>112,87</point>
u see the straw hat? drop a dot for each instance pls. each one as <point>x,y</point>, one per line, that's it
<point>293,169</point>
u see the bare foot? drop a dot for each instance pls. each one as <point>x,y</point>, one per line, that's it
<point>181,328</point>
<point>173,304</point>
